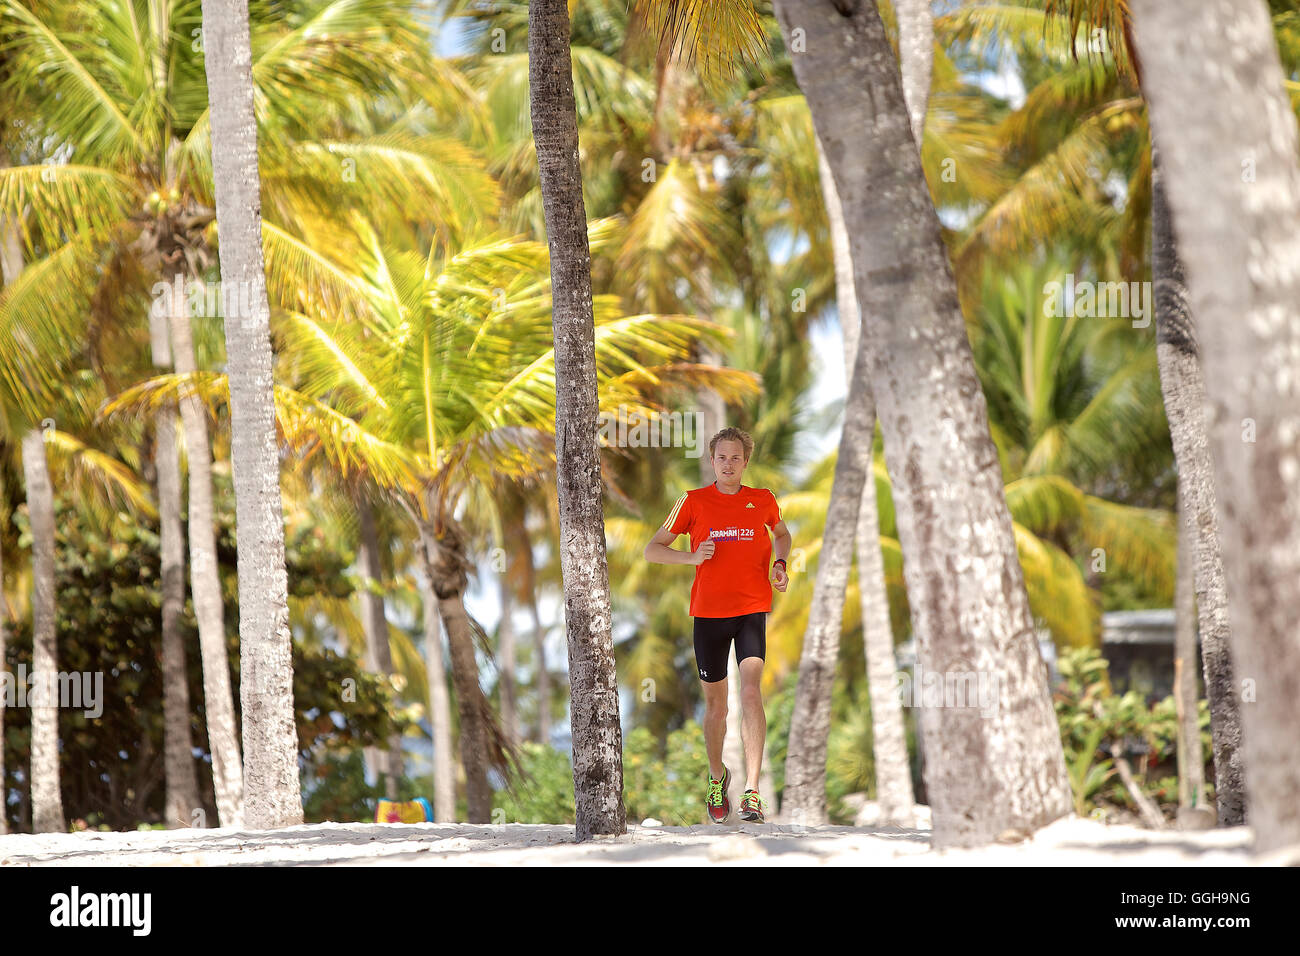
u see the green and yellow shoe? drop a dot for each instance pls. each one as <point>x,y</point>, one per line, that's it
<point>716,799</point>
<point>752,806</point>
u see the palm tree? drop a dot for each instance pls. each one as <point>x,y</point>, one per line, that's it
<point>1183,385</point>
<point>47,803</point>
<point>271,795</point>
<point>597,735</point>
<point>805,769</point>
<point>182,797</point>
<point>1236,245</point>
<point>942,461</point>
<point>223,732</point>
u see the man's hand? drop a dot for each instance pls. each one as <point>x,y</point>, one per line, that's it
<point>779,578</point>
<point>704,551</point>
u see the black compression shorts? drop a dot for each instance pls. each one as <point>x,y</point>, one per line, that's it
<point>713,637</point>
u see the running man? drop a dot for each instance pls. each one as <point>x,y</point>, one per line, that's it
<point>728,525</point>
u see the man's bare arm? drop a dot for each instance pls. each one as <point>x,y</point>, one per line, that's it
<point>659,552</point>
<point>781,541</point>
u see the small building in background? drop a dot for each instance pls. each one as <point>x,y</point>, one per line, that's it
<point>1139,646</point>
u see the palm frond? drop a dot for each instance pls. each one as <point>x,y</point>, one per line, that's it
<point>97,475</point>
<point>715,34</point>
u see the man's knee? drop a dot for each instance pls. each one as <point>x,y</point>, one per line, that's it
<point>715,701</point>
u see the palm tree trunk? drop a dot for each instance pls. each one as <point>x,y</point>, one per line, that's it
<point>47,802</point>
<point>205,581</point>
<point>46,796</point>
<point>182,796</point>
<point>272,796</point>
<point>1191,762</point>
<point>889,738</point>
<point>993,768</point>
<point>447,567</point>
<point>4,636</point>
<point>378,653</point>
<point>597,735</point>
<point>1236,238</point>
<point>444,770</point>
<point>506,662</point>
<point>543,675</point>
<point>11,264</point>
<point>469,705</point>
<point>1181,380</point>
<point>804,801</point>
<point>915,58</point>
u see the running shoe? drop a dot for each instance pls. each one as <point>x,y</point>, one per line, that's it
<point>751,807</point>
<point>716,799</point>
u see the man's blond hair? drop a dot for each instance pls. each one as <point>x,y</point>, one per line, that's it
<point>733,434</point>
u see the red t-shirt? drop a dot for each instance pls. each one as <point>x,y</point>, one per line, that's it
<point>735,580</point>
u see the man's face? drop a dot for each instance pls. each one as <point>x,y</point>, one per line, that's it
<point>729,460</point>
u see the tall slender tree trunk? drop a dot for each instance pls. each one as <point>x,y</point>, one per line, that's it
<point>987,769</point>
<point>804,801</point>
<point>272,796</point>
<point>543,675</point>
<point>11,264</point>
<point>46,795</point>
<point>1191,763</point>
<point>597,735</point>
<point>1233,185</point>
<point>889,737</point>
<point>205,580</point>
<point>182,795</point>
<point>47,801</point>
<point>379,656</point>
<point>506,661</point>
<point>4,637</point>
<point>1183,385</point>
<point>444,768</point>
<point>447,568</point>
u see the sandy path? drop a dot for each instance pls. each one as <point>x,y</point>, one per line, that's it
<point>1069,842</point>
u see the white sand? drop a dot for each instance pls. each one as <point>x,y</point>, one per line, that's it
<point>1068,842</point>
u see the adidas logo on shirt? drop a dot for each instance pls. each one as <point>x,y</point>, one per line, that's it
<point>750,505</point>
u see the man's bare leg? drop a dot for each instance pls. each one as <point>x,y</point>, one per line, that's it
<point>753,724</point>
<point>715,723</point>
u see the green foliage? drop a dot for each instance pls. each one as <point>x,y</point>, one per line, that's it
<point>666,784</point>
<point>850,752</point>
<point>545,792</point>
<point>1097,725</point>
